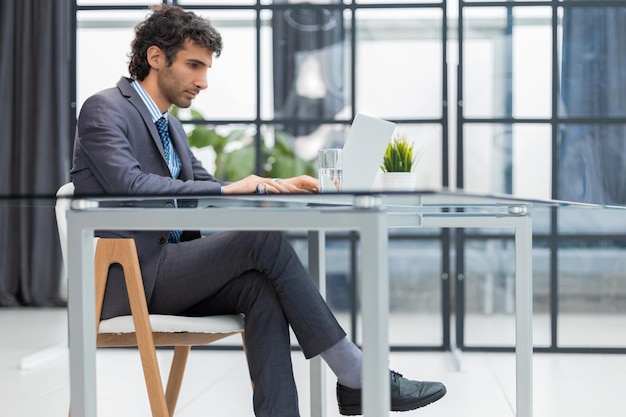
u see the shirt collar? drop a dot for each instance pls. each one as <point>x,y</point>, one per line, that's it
<point>153,109</point>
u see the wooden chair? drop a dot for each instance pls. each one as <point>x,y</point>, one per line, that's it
<point>141,329</point>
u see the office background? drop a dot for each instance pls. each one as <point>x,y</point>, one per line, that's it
<point>516,97</point>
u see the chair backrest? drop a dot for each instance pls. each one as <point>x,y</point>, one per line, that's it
<point>61,207</point>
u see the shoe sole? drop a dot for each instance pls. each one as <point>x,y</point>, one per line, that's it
<point>357,410</point>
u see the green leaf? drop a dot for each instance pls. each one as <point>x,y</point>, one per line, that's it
<point>398,155</point>
<point>201,137</point>
<point>235,162</point>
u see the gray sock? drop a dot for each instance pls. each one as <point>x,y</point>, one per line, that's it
<point>346,360</point>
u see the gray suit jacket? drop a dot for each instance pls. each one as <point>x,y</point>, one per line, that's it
<point>118,151</point>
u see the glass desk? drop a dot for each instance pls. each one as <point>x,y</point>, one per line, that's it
<point>370,214</point>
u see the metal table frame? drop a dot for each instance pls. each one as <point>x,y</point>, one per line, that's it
<point>370,215</point>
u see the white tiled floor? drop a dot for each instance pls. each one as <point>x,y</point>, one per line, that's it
<point>217,384</point>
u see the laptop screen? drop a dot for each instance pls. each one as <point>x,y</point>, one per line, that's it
<point>364,150</point>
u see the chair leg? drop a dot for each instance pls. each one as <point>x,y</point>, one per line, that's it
<point>154,385</point>
<point>175,379</point>
<point>124,252</point>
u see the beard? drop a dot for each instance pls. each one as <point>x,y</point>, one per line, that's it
<point>172,90</point>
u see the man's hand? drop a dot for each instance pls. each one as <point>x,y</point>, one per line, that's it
<point>252,183</point>
<point>300,184</point>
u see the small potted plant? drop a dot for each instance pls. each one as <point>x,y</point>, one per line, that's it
<point>398,165</point>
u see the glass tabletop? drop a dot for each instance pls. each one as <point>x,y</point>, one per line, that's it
<point>418,198</point>
<point>573,216</point>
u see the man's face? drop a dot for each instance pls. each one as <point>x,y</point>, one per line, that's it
<point>180,82</point>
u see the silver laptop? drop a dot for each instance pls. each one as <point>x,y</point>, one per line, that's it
<point>363,154</point>
<point>363,151</point>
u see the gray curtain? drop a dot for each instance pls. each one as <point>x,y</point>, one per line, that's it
<point>592,165</point>
<point>34,146</point>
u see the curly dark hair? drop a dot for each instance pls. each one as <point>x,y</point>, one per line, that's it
<point>168,27</point>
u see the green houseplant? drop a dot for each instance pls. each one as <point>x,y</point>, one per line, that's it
<point>398,165</point>
<point>235,152</point>
<point>399,155</point>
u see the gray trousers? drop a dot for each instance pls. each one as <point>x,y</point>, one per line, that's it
<point>260,275</point>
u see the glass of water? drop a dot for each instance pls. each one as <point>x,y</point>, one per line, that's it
<point>330,170</point>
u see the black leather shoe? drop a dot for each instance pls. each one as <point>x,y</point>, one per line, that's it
<point>405,395</point>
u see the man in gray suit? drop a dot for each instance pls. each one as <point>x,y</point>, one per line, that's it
<point>128,144</point>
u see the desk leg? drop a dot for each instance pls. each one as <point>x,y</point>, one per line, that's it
<point>81,319</point>
<point>375,312</point>
<point>523,317</point>
<point>317,367</point>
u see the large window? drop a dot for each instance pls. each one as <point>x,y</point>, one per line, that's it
<point>516,97</point>
<point>541,114</point>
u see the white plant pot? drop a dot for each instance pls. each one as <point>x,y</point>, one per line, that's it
<point>398,181</point>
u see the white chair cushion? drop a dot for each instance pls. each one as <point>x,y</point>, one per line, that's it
<point>176,324</point>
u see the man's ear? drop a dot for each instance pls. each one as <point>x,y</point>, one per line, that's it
<point>155,57</point>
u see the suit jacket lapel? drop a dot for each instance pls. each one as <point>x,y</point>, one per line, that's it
<point>134,99</point>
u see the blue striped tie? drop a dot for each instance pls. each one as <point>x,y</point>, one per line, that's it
<point>171,158</point>
<point>172,161</point>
